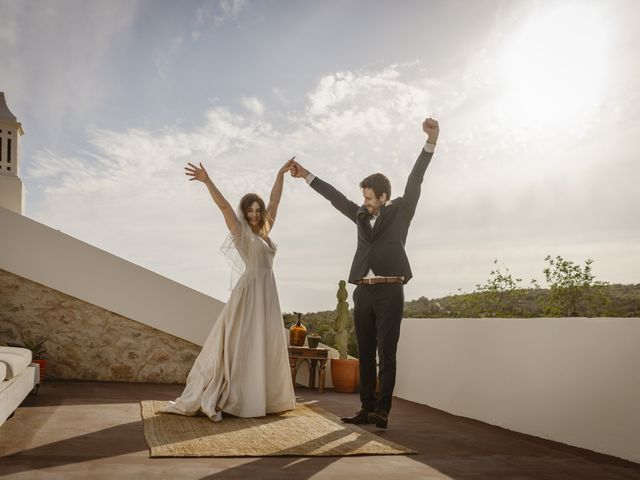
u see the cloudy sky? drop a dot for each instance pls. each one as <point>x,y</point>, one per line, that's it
<point>538,102</point>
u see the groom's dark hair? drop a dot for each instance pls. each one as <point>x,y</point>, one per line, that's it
<point>378,183</point>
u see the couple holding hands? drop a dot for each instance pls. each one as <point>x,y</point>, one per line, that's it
<point>243,367</point>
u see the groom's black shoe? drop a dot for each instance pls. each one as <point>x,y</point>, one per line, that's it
<point>359,417</point>
<point>379,417</point>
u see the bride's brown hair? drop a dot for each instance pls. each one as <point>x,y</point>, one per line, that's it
<point>264,225</point>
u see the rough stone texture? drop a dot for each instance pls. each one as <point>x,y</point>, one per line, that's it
<point>86,342</point>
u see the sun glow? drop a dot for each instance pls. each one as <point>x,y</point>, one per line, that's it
<point>554,69</point>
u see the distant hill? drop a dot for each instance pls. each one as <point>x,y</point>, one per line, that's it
<point>623,301</point>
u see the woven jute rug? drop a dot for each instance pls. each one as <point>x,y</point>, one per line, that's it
<point>306,431</point>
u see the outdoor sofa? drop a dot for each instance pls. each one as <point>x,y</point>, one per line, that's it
<point>18,377</point>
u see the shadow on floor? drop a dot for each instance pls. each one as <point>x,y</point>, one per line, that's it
<point>450,446</point>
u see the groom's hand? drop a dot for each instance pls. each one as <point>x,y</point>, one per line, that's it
<point>432,129</point>
<point>298,171</point>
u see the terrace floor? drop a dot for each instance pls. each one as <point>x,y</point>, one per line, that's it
<point>94,430</point>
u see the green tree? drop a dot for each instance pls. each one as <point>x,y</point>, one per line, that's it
<point>463,305</point>
<point>500,294</point>
<point>572,289</point>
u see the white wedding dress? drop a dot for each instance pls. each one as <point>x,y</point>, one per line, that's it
<point>243,368</point>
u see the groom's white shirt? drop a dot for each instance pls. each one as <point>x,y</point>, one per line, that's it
<point>428,148</point>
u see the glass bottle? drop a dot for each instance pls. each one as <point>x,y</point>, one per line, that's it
<point>297,332</point>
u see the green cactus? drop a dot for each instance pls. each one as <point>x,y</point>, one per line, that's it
<point>342,320</point>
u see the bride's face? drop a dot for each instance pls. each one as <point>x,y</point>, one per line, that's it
<point>253,214</point>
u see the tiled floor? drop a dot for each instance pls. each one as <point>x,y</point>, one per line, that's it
<point>93,430</point>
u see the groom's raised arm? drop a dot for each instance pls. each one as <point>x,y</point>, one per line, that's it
<point>337,199</point>
<point>414,182</point>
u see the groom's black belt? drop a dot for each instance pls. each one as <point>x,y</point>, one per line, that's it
<point>379,280</point>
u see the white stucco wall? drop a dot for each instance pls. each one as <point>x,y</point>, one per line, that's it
<point>49,257</point>
<point>572,380</point>
<point>11,193</point>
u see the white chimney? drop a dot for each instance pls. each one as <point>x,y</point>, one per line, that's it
<point>11,191</point>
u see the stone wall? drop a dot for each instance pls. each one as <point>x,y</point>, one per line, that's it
<point>86,342</point>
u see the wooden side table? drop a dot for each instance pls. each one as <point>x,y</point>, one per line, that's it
<point>314,356</point>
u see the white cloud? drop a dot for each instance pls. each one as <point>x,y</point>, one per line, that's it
<point>232,8</point>
<point>132,182</point>
<point>73,43</point>
<point>254,105</point>
<point>385,89</point>
<point>491,192</point>
<point>224,11</point>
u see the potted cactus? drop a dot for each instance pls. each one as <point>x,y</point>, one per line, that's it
<point>344,370</point>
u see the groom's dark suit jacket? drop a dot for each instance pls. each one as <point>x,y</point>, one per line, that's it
<point>381,248</point>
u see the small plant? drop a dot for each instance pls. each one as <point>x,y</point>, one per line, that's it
<point>36,347</point>
<point>313,339</point>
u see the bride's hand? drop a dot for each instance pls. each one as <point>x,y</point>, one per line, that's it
<point>197,173</point>
<point>287,166</point>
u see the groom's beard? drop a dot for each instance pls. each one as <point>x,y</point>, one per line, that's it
<point>373,210</point>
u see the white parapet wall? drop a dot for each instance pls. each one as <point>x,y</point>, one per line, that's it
<point>46,256</point>
<point>571,380</point>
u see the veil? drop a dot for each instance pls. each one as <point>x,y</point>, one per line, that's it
<point>236,248</point>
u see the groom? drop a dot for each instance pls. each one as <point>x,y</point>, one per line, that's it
<point>380,268</point>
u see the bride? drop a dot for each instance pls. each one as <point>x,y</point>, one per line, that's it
<point>243,368</point>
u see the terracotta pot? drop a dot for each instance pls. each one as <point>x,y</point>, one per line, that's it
<point>345,375</point>
<point>43,368</point>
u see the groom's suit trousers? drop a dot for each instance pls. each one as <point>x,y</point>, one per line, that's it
<point>377,314</point>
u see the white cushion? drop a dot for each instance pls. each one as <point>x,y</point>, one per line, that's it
<point>16,360</point>
<point>3,371</point>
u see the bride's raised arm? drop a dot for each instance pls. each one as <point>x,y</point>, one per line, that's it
<point>200,174</point>
<point>276,191</point>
